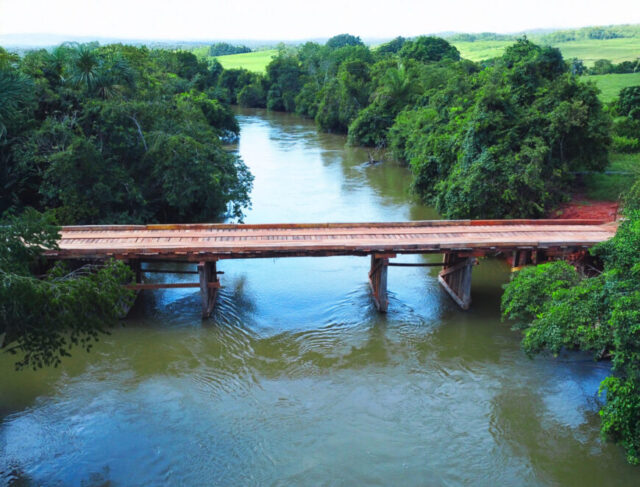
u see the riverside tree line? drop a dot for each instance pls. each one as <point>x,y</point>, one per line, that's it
<point>120,134</point>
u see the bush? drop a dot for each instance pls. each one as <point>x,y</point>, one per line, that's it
<point>623,144</point>
<point>370,127</point>
<point>252,96</point>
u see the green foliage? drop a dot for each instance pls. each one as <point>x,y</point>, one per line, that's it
<point>391,47</point>
<point>23,239</point>
<point>232,81</point>
<point>252,95</point>
<point>532,287</point>
<point>284,76</point>
<point>17,93</point>
<point>343,40</point>
<point>621,415</point>
<point>494,142</point>
<point>505,142</point>
<point>595,32</point>
<point>624,144</point>
<point>370,127</point>
<point>426,49</point>
<point>224,49</point>
<point>572,318</point>
<point>558,309</point>
<point>605,66</point>
<point>629,102</point>
<point>41,320</point>
<point>87,127</point>
<point>602,66</point>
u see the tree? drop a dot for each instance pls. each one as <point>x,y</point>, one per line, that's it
<point>41,320</point>
<point>17,94</point>
<point>224,49</point>
<point>602,66</point>
<point>503,142</point>
<point>343,40</point>
<point>391,47</point>
<point>577,67</point>
<point>429,49</point>
<point>629,102</point>
<point>559,309</point>
<point>284,77</point>
<point>83,122</point>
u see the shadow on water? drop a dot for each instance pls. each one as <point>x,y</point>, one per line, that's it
<point>296,379</point>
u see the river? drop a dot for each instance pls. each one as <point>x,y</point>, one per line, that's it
<point>297,380</point>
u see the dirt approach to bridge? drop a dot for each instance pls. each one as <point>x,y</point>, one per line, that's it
<point>581,207</point>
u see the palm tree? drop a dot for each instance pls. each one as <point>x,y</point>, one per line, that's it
<point>112,77</point>
<point>84,67</point>
<point>396,88</point>
<point>16,89</point>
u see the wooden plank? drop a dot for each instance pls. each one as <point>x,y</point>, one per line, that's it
<point>200,242</point>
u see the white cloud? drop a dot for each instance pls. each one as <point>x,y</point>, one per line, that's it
<point>289,19</point>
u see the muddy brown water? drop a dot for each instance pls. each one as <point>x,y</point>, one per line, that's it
<point>297,380</point>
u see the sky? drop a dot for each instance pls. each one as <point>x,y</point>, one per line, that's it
<point>301,19</point>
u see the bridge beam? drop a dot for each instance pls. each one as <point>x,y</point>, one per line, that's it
<point>455,278</point>
<point>378,280</point>
<point>209,285</point>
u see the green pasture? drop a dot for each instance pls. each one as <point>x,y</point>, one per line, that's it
<point>253,61</point>
<point>477,51</point>
<point>622,172</point>
<point>611,84</point>
<point>616,50</point>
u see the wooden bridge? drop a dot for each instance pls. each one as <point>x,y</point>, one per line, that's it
<point>460,241</point>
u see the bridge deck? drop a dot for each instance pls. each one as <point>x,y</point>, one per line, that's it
<point>202,242</point>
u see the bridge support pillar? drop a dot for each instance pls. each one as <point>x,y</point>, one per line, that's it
<point>209,285</point>
<point>524,257</point>
<point>378,280</point>
<point>455,278</point>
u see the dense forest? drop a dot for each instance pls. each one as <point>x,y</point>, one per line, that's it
<point>501,139</point>
<point>117,134</point>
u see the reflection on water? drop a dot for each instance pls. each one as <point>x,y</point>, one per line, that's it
<point>297,380</point>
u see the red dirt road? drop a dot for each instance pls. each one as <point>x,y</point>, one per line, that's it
<point>580,207</point>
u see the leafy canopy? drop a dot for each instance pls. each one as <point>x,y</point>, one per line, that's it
<point>41,320</point>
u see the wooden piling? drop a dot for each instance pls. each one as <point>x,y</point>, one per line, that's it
<point>455,278</point>
<point>209,285</point>
<point>378,280</point>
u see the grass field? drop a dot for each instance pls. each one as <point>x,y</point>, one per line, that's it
<point>611,84</point>
<point>477,51</point>
<point>253,61</point>
<point>616,50</point>
<point>609,187</point>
